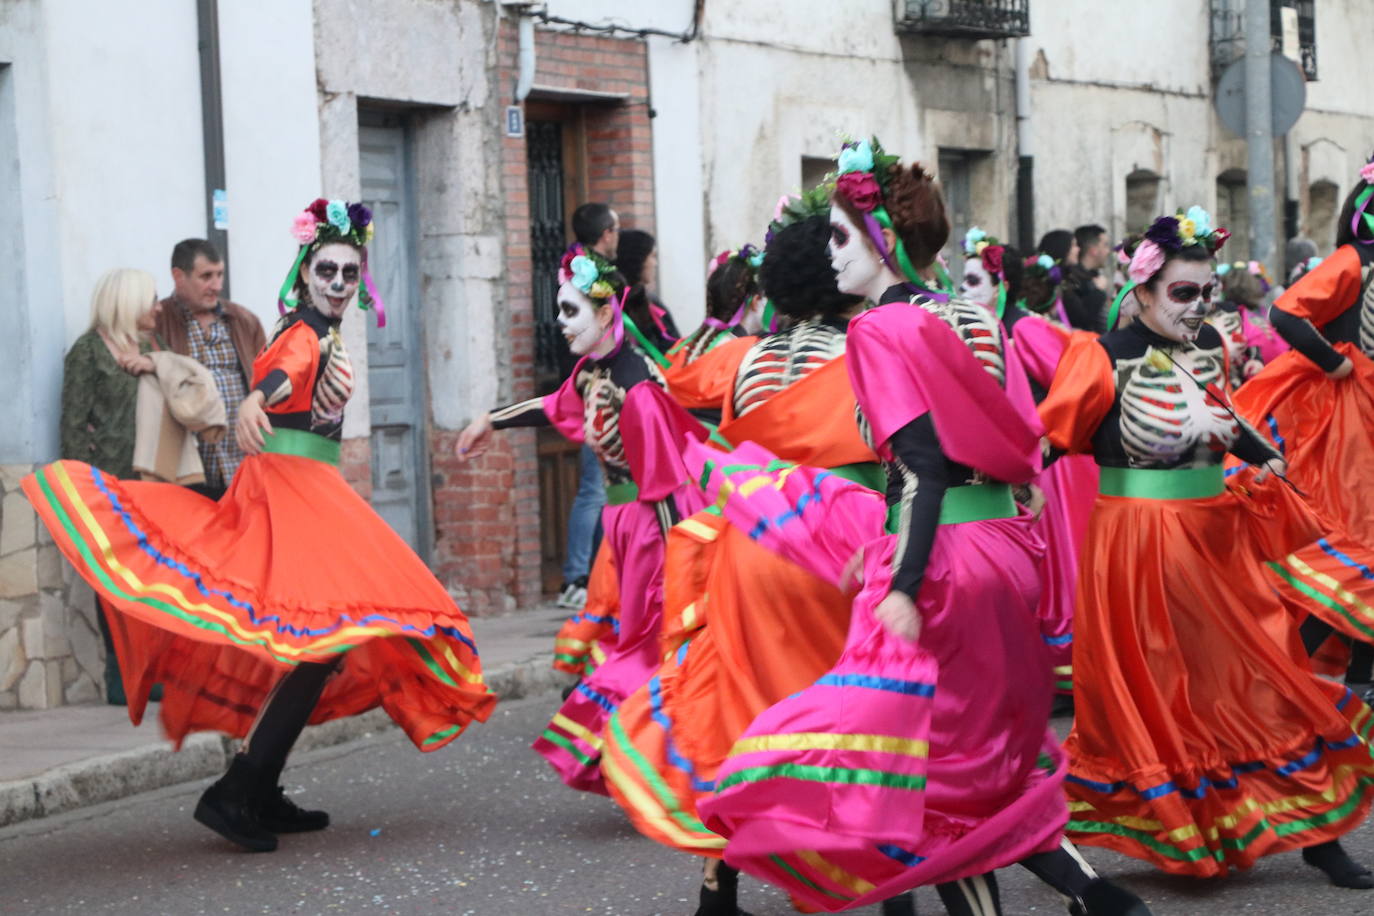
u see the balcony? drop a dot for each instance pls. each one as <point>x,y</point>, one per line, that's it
<point>972,19</point>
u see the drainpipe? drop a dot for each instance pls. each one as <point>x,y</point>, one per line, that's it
<point>525,80</point>
<point>1025,163</point>
<point>212,124</point>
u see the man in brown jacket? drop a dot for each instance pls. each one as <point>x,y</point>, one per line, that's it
<point>222,336</point>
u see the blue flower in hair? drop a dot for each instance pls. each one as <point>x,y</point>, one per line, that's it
<point>856,157</point>
<point>584,273</point>
<point>1202,220</point>
<point>1045,261</point>
<point>337,214</point>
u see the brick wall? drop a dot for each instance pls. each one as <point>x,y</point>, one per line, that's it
<point>486,512</point>
<point>355,463</point>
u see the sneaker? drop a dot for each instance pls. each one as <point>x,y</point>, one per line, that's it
<point>573,595</point>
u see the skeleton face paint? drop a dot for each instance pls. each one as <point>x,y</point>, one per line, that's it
<point>579,318</point>
<point>858,269</point>
<point>977,286</point>
<point>1179,300</point>
<point>333,275</point>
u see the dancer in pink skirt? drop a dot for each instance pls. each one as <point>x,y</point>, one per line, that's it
<point>614,400</point>
<point>923,757</point>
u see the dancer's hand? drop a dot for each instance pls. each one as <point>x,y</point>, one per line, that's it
<point>475,439</point>
<point>1272,466</point>
<point>1342,371</point>
<point>897,613</point>
<point>252,424</point>
<point>852,577</point>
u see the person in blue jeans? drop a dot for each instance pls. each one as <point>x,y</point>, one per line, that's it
<point>584,530</point>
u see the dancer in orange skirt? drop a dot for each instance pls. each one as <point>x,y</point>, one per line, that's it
<point>1201,740</point>
<point>1317,402</point>
<point>734,611</point>
<point>289,600</point>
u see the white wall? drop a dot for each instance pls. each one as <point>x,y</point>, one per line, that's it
<point>126,134</point>
<point>271,139</point>
<point>110,168</point>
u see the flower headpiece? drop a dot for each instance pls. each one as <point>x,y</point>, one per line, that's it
<point>324,222</point>
<point>1042,265</point>
<point>1302,268</point>
<point>796,208</point>
<point>748,254</point>
<point>1362,218</point>
<point>1168,233</point>
<point>864,172</point>
<point>1253,268</point>
<point>977,243</point>
<point>753,260</point>
<point>590,273</point>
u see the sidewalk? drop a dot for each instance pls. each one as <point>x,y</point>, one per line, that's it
<point>58,759</point>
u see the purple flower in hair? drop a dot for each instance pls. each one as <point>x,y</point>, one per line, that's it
<point>1164,233</point>
<point>359,216</point>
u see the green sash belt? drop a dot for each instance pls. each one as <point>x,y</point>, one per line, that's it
<point>618,494</point>
<point>865,473</point>
<point>302,444</point>
<point>976,503</point>
<point>1155,483</point>
<point>973,503</point>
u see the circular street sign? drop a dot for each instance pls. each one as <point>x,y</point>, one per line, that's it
<point>1288,94</point>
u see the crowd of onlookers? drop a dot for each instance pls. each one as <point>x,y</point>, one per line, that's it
<point>195,351</point>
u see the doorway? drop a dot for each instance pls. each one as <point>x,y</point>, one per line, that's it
<point>395,353</point>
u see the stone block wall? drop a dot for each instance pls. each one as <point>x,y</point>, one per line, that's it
<point>51,652</point>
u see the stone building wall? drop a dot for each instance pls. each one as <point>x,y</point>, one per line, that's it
<point>51,651</point>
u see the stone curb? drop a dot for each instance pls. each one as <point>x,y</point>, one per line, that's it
<point>119,775</point>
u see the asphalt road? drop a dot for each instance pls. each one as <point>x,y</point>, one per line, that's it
<point>482,828</point>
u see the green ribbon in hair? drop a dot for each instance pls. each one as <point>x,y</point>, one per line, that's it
<point>1115,311</point>
<point>654,353</point>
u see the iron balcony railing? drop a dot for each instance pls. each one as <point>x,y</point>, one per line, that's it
<point>965,18</point>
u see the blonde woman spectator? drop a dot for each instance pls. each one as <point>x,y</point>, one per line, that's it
<point>99,385</point>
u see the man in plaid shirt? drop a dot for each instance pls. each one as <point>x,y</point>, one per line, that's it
<point>220,335</point>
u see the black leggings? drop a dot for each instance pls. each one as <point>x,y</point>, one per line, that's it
<point>282,718</point>
<point>978,896</point>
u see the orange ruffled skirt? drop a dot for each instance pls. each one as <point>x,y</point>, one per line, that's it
<point>1325,430</point>
<point>743,629</point>
<point>1202,741</point>
<point>217,600</point>
<point>582,641</point>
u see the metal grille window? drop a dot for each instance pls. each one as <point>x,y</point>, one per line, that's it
<point>965,18</point>
<point>544,153</point>
<point>1228,32</point>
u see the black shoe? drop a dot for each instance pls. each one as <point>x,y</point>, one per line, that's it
<point>280,814</point>
<point>229,807</point>
<point>1343,871</point>
<point>1103,898</point>
<point>722,901</point>
<point>568,690</point>
<point>901,905</point>
<point>1062,706</point>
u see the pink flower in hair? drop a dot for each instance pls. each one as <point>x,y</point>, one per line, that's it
<point>303,227</point>
<point>1146,261</point>
<point>1367,173</point>
<point>783,201</point>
